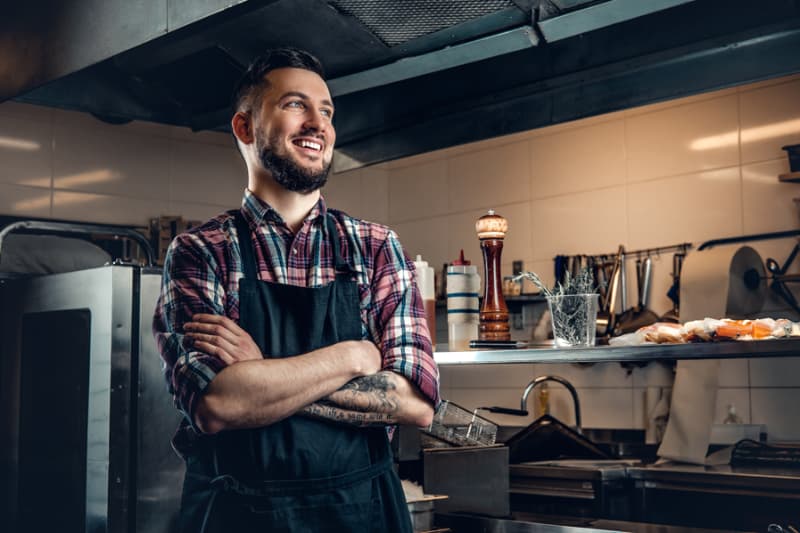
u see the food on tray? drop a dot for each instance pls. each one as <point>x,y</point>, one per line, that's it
<point>661,332</point>
<point>709,330</point>
<point>701,330</point>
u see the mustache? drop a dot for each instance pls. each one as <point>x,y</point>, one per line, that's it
<point>308,132</point>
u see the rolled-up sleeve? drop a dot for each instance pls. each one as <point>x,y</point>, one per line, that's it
<point>397,320</point>
<point>191,284</point>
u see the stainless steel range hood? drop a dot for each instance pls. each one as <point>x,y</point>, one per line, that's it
<point>408,76</point>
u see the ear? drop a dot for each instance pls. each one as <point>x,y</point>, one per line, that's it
<point>240,125</point>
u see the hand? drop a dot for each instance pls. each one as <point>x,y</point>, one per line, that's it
<point>221,337</point>
<point>369,358</point>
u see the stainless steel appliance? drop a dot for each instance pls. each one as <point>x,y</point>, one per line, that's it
<point>576,488</point>
<point>86,419</point>
<point>732,498</point>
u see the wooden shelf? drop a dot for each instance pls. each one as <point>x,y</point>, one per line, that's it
<point>793,177</point>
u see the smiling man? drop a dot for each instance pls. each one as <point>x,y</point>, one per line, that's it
<point>292,334</point>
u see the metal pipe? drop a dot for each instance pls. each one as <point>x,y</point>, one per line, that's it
<point>558,379</point>
<point>748,238</point>
<point>80,229</point>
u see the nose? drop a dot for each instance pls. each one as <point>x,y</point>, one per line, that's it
<point>316,121</point>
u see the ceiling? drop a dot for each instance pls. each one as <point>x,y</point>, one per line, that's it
<point>407,76</point>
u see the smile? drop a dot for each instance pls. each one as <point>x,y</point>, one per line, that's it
<point>306,143</point>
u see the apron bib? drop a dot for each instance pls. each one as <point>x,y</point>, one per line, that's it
<point>299,474</point>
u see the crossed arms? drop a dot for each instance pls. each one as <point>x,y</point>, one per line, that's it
<point>343,383</point>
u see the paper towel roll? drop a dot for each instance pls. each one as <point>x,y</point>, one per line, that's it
<point>722,282</point>
<point>694,395</point>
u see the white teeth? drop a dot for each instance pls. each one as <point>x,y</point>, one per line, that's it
<point>310,144</point>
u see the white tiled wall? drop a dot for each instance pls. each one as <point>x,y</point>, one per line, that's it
<point>66,165</point>
<point>688,170</point>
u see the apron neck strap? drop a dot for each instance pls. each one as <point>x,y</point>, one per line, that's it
<point>342,268</point>
<point>245,246</point>
<point>249,256</point>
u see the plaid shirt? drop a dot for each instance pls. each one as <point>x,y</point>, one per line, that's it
<point>203,267</point>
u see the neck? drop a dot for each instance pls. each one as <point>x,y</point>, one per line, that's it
<point>292,206</point>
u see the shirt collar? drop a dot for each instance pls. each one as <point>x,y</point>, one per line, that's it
<point>256,211</point>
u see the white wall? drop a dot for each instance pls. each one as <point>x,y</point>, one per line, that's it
<point>687,170</point>
<point>65,165</point>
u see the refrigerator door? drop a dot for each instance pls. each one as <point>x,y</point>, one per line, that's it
<point>85,417</point>
<point>68,397</point>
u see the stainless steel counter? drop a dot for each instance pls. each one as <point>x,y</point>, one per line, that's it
<point>745,478</point>
<point>750,478</point>
<point>462,523</point>
<point>651,352</point>
<point>581,469</point>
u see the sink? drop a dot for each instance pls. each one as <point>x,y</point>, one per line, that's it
<point>647,453</point>
<point>623,443</point>
<point>617,443</point>
<point>614,435</point>
<point>548,438</point>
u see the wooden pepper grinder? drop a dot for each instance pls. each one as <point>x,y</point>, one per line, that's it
<point>491,229</point>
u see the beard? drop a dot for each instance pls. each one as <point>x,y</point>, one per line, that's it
<point>286,172</point>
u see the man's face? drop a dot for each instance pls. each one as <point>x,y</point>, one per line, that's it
<point>293,129</point>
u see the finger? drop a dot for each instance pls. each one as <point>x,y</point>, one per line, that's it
<point>214,351</point>
<point>243,352</point>
<point>207,317</point>
<point>219,319</point>
<point>211,329</point>
<point>214,340</point>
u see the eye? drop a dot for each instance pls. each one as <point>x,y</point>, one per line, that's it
<point>295,104</point>
<point>326,112</point>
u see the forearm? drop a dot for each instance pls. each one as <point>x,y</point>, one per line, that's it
<point>261,392</point>
<point>378,399</point>
<point>327,411</point>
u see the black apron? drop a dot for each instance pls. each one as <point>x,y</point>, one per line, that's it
<point>299,474</point>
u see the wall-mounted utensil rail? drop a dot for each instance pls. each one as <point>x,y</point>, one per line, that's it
<point>749,238</point>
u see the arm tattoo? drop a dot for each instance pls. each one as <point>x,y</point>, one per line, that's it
<point>376,393</point>
<point>344,416</point>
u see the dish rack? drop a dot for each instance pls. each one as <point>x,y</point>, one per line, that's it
<point>460,427</point>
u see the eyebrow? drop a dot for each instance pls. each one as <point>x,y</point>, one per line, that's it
<point>304,96</point>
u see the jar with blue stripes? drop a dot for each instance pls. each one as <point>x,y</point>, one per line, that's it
<point>463,308</point>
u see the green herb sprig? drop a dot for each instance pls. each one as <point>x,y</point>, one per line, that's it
<point>583,283</point>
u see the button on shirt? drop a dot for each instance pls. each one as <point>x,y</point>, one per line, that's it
<point>202,271</point>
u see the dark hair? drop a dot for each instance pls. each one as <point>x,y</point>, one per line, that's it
<point>250,85</point>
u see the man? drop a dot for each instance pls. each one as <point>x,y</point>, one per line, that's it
<point>292,334</point>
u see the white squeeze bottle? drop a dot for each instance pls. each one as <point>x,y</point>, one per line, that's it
<point>425,282</point>
<point>463,286</point>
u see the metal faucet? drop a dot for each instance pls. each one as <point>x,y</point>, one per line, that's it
<point>541,379</point>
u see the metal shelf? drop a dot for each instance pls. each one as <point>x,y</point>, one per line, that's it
<point>601,354</point>
<point>511,301</point>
